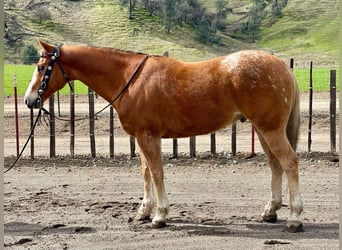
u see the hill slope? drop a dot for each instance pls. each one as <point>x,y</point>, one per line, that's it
<point>307,30</point>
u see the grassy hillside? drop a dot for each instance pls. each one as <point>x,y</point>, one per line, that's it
<point>307,30</point>
<point>104,23</point>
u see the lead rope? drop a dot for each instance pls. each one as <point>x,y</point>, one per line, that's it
<point>61,119</point>
<point>27,141</point>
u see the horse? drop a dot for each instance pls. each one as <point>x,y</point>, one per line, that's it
<point>159,97</point>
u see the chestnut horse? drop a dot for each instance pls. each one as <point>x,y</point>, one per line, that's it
<point>159,97</point>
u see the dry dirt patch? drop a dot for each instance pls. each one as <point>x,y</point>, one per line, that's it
<point>85,203</point>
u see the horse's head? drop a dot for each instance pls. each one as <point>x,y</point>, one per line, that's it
<point>47,76</point>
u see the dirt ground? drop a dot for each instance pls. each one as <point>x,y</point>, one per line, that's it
<point>215,204</point>
<point>216,201</point>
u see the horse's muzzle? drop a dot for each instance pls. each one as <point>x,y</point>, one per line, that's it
<point>35,104</point>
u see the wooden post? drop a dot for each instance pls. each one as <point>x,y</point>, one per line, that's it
<point>175,148</point>
<point>333,110</point>
<point>72,119</point>
<point>111,132</point>
<point>32,135</point>
<point>58,105</point>
<point>132,146</point>
<point>193,146</point>
<point>16,113</point>
<point>310,109</point>
<point>52,127</point>
<point>213,143</point>
<point>234,139</point>
<point>291,64</point>
<point>91,123</point>
<point>253,142</point>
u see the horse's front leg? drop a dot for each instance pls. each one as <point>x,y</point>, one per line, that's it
<point>148,202</point>
<point>150,148</point>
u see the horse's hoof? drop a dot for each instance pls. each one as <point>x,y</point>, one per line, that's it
<point>159,224</point>
<point>271,218</point>
<point>294,228</point>
<point>141,217</point>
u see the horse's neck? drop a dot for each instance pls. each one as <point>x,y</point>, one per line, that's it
<point>104,71</point>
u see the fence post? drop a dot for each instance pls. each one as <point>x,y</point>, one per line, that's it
<point>72,119</point>
<point>16,113</point>
<point>310,109</point>
<point>91,122</point>
<point>291,63</point>
<point>213,143</point>
<point>333,110</point>
<point>253,143</point>
<point>111,132</point>
<point>32,135</point>
<point>175,148</point>
<point>58,105</point>
<point>193,146</point>
<point>234,139</point>
<point>52,127</point>
<point>132,146</point>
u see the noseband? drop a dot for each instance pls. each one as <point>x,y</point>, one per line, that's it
<point>54,58</point>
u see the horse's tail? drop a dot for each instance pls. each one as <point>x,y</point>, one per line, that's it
<point>292,129</point>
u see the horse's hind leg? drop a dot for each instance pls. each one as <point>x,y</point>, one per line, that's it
<point>150,147</point>
<point>275,202</point>
<point>147,205</point>
<point>282,150</point>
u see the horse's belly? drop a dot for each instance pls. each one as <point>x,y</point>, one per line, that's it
<point>204,125</point>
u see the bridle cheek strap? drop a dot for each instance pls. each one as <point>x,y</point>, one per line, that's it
<point>45,81</point>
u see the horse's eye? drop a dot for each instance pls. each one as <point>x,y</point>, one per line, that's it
<point>40,68</point>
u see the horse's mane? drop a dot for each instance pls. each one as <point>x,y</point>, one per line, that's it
<point>105,49</point>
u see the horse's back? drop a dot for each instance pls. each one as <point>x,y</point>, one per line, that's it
<point>177,99</point>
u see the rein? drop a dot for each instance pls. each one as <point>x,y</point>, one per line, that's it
<point>45,83</point>
<point>27,141</point>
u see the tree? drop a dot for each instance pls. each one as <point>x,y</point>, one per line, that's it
<point>6,35</point>
<point>152,6</point>
<point>30,55</point>
<point>42,13</point>
<point>255,16</point>
<point>170,12</point>
<point>277,6</point>
<point>183,10</point>
<point>131,5</point>
<point>221,14</point>
<point>206,33</point>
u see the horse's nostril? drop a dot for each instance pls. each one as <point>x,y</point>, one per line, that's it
<point>26,102</point>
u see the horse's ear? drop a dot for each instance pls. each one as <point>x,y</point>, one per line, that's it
<point>46,46</point>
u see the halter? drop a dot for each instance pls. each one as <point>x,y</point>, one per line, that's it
<point>54,58</point>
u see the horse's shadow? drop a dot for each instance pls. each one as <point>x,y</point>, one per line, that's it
<point>253,229</point>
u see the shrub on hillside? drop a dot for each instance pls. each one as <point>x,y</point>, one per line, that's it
<point>30,55</point>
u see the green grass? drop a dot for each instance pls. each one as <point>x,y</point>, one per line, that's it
<point>320,78</point>
<point>24,73</point>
